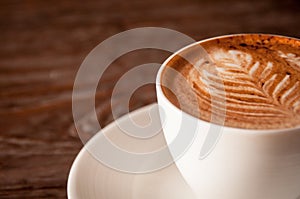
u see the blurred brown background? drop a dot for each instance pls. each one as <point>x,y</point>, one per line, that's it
<point>43,43</point>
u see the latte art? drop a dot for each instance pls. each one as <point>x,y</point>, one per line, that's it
<point>293,59</point>
<point>264,91</point>
<point>259,77</point>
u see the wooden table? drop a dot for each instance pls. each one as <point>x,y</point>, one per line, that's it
<point>43,44</point>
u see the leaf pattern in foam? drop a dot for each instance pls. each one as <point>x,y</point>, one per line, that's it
<point>291,58</point>
<point>253,87</point>
<point>294,61</point>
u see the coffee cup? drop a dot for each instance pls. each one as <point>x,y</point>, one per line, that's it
<point>248,146</point>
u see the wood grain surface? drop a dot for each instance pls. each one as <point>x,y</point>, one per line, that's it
<point>43,44</point>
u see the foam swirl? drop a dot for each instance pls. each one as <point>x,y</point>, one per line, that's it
<point>251,80</point>
<point>253,89</point>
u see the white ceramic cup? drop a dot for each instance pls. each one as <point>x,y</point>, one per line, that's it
<point>254,164</point>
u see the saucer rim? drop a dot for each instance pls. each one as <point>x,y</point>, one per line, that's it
<point>71,194</point>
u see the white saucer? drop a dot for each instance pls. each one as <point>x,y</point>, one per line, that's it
<point>89,179</point>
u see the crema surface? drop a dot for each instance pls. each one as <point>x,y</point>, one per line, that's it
<point>246,81</point>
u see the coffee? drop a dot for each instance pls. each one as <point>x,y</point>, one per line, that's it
<point>250,80</point>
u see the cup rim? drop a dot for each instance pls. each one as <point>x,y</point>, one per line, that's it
<point>229,128</point>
